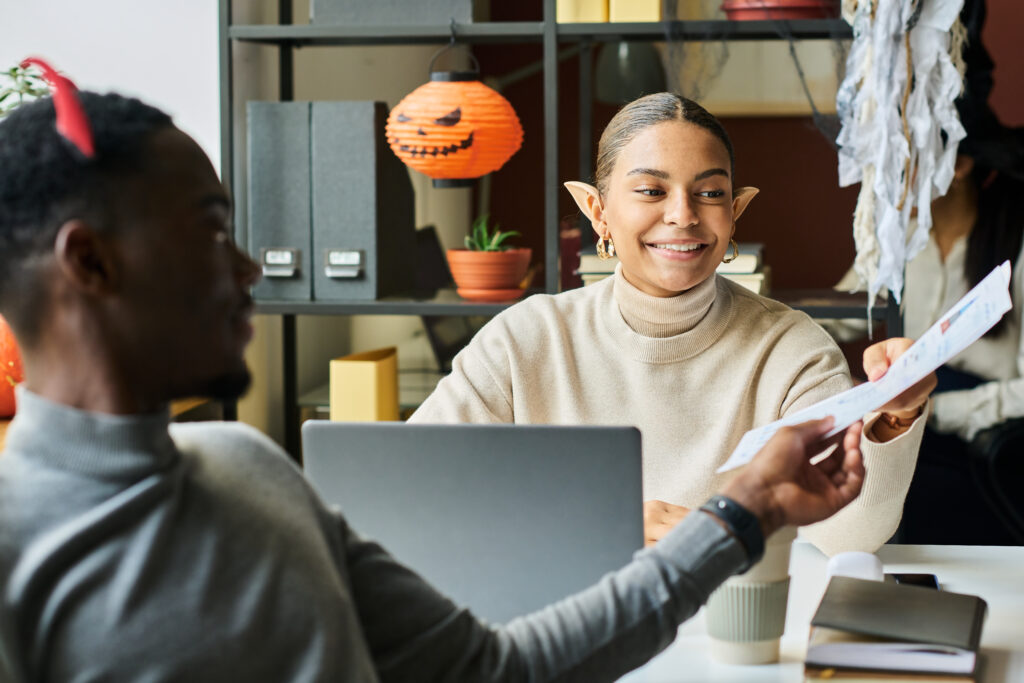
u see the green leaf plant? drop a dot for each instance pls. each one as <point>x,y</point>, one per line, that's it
<point>18,86</point>
<point>484,238</point>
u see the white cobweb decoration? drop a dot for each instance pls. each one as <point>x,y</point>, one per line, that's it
<point>899,127</point>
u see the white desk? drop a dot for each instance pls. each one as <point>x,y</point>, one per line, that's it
<point>994,573</point>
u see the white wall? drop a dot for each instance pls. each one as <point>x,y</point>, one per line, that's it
<point>162,52</point>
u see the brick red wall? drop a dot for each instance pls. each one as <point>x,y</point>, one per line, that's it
<point>1002,38</point>
<point>802,216</point>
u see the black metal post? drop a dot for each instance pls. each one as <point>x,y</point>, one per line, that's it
<point>550,47</point>
<point>586,117</point>
<point>229,408</point>
<point>893,318</point>
<point>289,354</point>
<point>286,83</point>
<point>226,93</point>
<point>292,435</point>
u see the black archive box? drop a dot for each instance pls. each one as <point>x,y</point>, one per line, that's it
<point>279,196</point>
<point>364,236</point>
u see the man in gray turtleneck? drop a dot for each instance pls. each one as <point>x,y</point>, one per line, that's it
<point>131,549</point>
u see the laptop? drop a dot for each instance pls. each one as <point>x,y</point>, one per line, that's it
<point>504,519</point>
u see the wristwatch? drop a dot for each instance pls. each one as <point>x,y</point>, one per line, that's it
<point>741,522</point>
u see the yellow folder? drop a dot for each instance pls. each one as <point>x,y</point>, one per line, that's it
<point>573,11</point>
<point>635,10</point>
<point>364,386</point>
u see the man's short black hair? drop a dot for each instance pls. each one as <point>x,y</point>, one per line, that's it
<point>45,181</point>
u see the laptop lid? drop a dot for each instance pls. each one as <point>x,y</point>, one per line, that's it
<point>504,519</point>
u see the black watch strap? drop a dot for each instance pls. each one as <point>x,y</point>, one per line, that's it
<point>741,522</point>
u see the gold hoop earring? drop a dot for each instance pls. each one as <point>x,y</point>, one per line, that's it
<point>735,252</point>
<point>605,247</point>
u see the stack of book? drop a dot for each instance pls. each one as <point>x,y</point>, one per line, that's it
<point>880,631</point>
<point>594,269</point>
<point>747,269</point>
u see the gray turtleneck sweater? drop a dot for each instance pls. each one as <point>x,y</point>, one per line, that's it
<point>131,550</point>
<point>692,372</point>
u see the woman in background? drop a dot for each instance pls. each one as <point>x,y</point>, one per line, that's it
<point>691,359</point>
<point>977,225</point>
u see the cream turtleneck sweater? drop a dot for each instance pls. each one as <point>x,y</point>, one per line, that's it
<point>693,372</point>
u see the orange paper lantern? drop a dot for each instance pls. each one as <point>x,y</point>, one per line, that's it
<point>454,129</point>
<point>11,372</point>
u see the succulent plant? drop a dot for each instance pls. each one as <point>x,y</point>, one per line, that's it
<point>484,238</point>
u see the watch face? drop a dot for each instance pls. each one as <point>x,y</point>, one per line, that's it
<point>741,523</point>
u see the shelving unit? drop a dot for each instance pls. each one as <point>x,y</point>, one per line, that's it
<point>286,37</point>
<point>445,302</point>
<point>513,32</point>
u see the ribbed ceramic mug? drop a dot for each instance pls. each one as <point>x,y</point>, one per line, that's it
<point>746,616</point>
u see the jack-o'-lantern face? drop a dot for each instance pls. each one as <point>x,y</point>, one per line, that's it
<point>454,130</point>
<point>425,147</point>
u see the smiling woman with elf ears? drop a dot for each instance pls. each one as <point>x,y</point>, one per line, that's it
<point>664,201</point>
<point>692,360</point>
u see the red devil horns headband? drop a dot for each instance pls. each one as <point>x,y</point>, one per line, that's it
<point>72,122</point>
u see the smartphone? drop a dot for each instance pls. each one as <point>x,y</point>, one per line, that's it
<point>923,580</point>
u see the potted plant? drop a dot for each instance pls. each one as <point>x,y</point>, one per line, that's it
<point>488,268</point>
<point>17,86</point>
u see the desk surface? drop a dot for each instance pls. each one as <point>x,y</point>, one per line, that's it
<point>994,573</point>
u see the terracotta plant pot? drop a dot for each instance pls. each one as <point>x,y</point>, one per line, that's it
<point>489,275</point>
<point>740,10</point>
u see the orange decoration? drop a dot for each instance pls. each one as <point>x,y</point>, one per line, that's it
<point>11,371</point>
<point>489,275</point>
<point>454,129</point>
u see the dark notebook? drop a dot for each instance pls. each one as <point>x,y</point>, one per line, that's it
<point>881,626</point>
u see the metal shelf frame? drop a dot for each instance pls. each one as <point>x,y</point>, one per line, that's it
<point>319,35</point>
<point>525,32</point>
<point>287,37</point>
<point>820,303</point>
<point>445,302</point>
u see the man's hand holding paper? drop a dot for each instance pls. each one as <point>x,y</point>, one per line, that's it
<point>900,386</point>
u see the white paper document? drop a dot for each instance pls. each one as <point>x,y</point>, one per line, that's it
<point>961,326</point>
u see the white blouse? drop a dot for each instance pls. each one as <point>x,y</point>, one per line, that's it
<point>931,288</point>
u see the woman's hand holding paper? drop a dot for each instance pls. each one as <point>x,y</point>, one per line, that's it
<point>906,407</point>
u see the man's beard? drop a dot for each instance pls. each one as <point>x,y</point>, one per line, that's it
<point>229,386</point>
